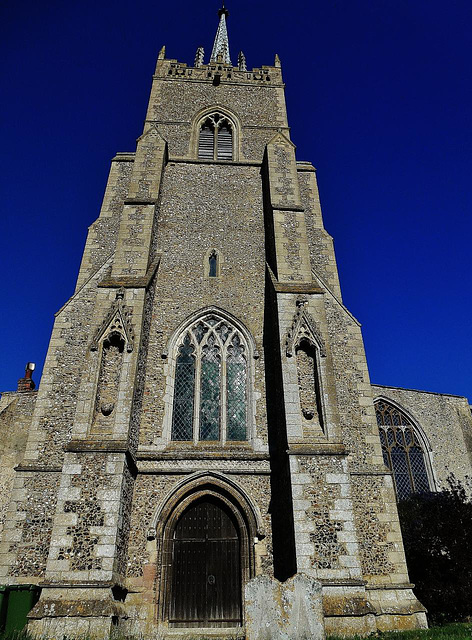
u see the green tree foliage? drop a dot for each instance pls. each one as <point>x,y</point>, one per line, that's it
<point>437,534</point>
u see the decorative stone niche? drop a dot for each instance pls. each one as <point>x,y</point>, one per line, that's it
<point>309,389</point>
<point>111,365</point>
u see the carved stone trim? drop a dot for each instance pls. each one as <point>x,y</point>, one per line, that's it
<point>182,470</point>
<point>117,309</point>
<point>385,472</point>
<point>301,318</point>
<point>191,454</point>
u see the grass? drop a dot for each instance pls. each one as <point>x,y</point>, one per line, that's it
<point>448,632</point>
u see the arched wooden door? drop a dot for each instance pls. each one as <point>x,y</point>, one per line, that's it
<point>206,568</point>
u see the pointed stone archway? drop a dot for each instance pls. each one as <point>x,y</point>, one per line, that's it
<point>205,532</point>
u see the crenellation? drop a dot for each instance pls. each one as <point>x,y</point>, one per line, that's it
<point>170,69</point>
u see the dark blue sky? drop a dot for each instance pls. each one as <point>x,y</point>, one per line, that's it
<point>379,99</point>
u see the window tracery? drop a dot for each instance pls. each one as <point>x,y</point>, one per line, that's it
<point>211,383</point>
<point>215,140</point>
<point>402,450</point>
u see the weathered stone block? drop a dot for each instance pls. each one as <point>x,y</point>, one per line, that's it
<point>290,610</point>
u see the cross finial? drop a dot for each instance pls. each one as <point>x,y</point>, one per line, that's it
<point>223,10</point>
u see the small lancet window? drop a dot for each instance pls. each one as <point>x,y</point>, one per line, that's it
<point>213,263</point>
<point>402,450</point>
<point>215,141</point>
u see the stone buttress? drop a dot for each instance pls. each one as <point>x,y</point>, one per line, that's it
<point>346,529</point>
<point>202,235</point>
<point>85,571</point>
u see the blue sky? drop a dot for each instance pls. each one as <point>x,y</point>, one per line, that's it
<point>379,99</point>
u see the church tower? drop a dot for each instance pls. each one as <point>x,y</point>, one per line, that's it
<point>205,420</point>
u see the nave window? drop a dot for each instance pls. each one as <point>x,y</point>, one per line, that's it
<point>402,450</point>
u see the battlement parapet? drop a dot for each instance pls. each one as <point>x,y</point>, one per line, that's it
<point>218,72</point>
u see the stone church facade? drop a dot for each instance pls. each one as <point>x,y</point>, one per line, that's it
<point>205,416</point>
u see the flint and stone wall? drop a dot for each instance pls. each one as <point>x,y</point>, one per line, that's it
<point>99,468</point>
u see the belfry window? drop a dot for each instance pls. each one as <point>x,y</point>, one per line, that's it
<point>402,450</point>
<point>215,140</point>
<point>211,383</point>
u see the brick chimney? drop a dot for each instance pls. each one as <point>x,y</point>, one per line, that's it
<point>27,383</point>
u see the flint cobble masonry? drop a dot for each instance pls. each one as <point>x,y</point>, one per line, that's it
<point>95,480</point>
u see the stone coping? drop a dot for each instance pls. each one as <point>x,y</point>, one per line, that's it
<point>38,468</point>
<point>98,445</point>
<point>317,449</point>
<point>133,282</point>
<point>432,393</point>
<point>290,287</point>
<point>341,582</point>
<point>383,587</point>
<point>237,163</point>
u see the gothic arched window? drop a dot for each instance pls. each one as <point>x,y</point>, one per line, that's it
<point>211,382</point>
<point>215,140</point>
<point>402,450</point>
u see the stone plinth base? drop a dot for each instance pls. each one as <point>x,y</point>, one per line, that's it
<point>93,628</point>
<point>75,612</point>
<point>359,610</point>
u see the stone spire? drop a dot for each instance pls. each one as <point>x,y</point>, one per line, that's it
<point>221,44</point>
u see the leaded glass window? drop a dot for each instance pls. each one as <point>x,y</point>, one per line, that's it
<point>236,383</point>
<point>210,394</point>
<point>211,383</point>
<point>215,141</point>
<point>402,450</point>
<point>182,418</point>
